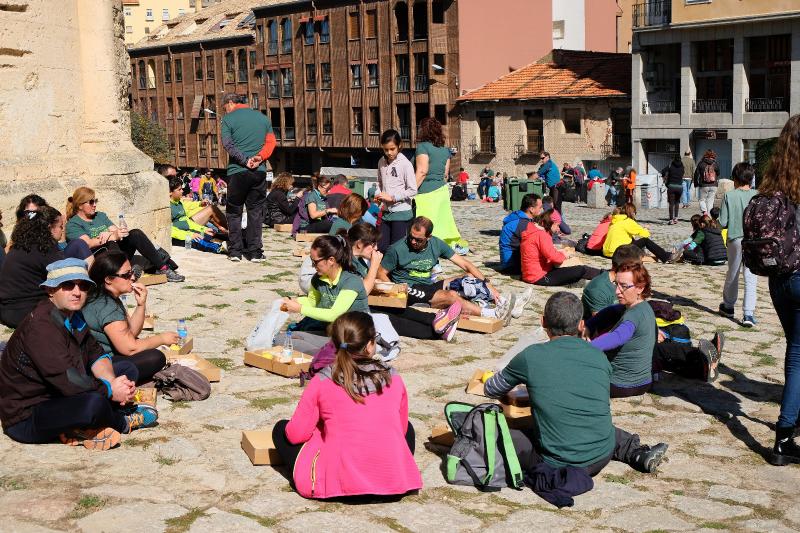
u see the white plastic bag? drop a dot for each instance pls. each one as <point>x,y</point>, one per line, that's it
<point>263,335</point>
<point>389,346</point>
<point>307,272</point>
<point>526,339</point>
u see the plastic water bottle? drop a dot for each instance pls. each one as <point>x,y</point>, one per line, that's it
<point>187,241</point>
<point>183,333</point>
<point>288,348</point>
<point>121,224</point>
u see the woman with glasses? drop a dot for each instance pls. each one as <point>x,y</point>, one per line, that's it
<point>108,320</point>
<point>630,332</point>
<point>96,229</point>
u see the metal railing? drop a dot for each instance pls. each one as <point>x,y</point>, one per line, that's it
<point>405,132</point>
<point>287,47</point>
<point>272,48</point>
<point>272,90</point>
<point>486,144</point>
<point>535,143</point>
<point>288,133</point>
<point>653,13</point>
<point>659,106</point>
<point>760,105</point>
<point>620,144</point>
<point>711,105</point>
<point>401,85</point>
<point>421,82</point>
<point>288,89</point>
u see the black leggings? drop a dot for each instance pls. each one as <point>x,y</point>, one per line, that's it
<point>289,451</point>
<point>87,410</point>
<point>137,241</point>
<point>148,363</point>
<point>318,226</point>
<point>646,244</point>
<point>412,323</point>
<point>558,277</point>
<point>391,232</point>
<point>618,391</point>
<point>674,199</point>
<point>680,358</point>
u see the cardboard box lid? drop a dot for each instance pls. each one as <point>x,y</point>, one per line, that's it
<point>259,447</point>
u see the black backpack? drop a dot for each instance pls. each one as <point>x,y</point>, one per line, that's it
<point>771,243</point>
<point>458,194</point>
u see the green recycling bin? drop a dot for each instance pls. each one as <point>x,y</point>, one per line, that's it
<point>357,186</point>
<point>517,188</point>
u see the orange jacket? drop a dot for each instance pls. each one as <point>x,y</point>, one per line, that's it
<point>630,181</point>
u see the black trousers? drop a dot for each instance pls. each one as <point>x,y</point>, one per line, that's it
<point>289,451</point>
<point>555,193</point>
<point>87,410</point>
<point>137,241</point>
<point>558,277</point>
<point>680,358</point>
<point>246,189</point>
<point>318,226</point>
<point>410,322</point>
<point>391,232</point>
<point>624,449</point>
<point>646,244</point>
<point>627,392</point>
<point>147,362</point>
<point>674,199</point>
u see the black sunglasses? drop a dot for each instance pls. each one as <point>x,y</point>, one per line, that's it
<point>70,285</point>
<point>315,262</point>
<point>418,239</point>
<point>130,274</point>
<point>93,201</point>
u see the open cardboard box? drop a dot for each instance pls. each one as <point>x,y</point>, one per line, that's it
<point>259,447</point>
<point>442,435</point>
<point>211,371</point>
<point>153,279</point>
<point>146,396</point>
<point>149,321</point>
<point>301,252</point>
<point>183,350</point>
<point>572,261</point>
<point>475,385</point>
<point>282,228</point>
<point>267,359</point>
<point>516,404</point>
<point>478,324</point>
<point>384,295</point>
<point>307,237</point>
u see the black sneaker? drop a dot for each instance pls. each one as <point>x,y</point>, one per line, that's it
<point>711,357</point>
<point>727,312</point>
<point>173,276</point>
<point>719,342</point>
<point>647,458</point>
<point>258,258</point>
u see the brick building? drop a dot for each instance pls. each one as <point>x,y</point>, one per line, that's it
<point>575,105</point>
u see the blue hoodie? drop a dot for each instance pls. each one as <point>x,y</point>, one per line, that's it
<point>550,173</point>
<point>513,226</point>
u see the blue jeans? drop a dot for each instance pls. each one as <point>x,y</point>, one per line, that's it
<point>687,185</point>
<point>785,293</point>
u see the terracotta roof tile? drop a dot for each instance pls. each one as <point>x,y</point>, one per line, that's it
<point>562,74</point>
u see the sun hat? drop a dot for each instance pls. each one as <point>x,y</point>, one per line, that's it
<point>69,269</point>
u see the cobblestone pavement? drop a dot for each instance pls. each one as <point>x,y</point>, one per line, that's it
<point>189,473</point>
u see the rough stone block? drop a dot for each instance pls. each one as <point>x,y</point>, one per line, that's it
<point>597,196</point>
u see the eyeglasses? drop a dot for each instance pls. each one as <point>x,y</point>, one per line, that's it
<point>315,262</point>
<point>623,286</point>
<point>417,239</point>
<point>130,274</point>
<point>93,201</point>
<point>70,285</point>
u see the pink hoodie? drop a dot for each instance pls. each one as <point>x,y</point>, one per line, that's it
<point>352,448</point>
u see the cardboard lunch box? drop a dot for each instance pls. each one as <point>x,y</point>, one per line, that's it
<point>149,321</point>
<point>282,228</point>
<point>516,404</point>
<point>442,435</point>
<point>477,324</point>
<point>475,385</point>
<point>572,261</point>
<point>267,360</point>
<point>395,296</point>
<point>152,279</point>
<point>211,371</point>
<point>183,350</point>
<point>146,396</point>
<point>307,237</point>
<point>301,252</point>
<point>259,447</point>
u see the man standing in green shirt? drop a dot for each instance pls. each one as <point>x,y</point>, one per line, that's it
<point>568,382</point>
<point>248,138</point>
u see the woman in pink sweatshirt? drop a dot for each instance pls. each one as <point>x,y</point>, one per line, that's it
<point>350,433</point>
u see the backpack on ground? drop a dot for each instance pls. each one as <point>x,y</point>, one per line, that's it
<point>482,455</point>
<point>458,194</point>
<point>709,174</point>
<point>771,242</point>
<point>181,383</point>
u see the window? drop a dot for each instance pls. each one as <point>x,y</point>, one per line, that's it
<point>242,61</point>
<point>286,77</point>
<point>272,33</point>
<point>210,67</point>
<point>230,67</point>
<point>358,120</point>
<point>178,70</point>
<point>254,100</point>
<point>572,121</point>
<point>211,105</point>
<point>324,31</point>
<point>438,64</point>
<point>372,71</point>
<point>374,120</point>
<point>259,33</point>
<point>151,74</point>
<point>355,71</point>
<point>309,32</point>
<point>326,75</point>
<point>165,14</point>
<point>534,126</point>
<point>486,132</point>
<point>311,121</point>
<point>353,25</point>
<point>558,29</point>
<point>198,68</point>
<point>148,14</point>
<point>179,110</point>
<point>420,15</point>
<point>421,111</point>
<point>275,118</point>
<point>288,123</point>
<point>128,12</point>
<point>128,29</point>
<point>272,83</point>
<point>214,145</point>
<point>404,118</point>
<point>421,72</point>
<point>170,113</point>
<point>286,33</point>
<point>311,77</point>
<point>327,121</point>
<point>401,76</point>
<point>181,11</point>
<point>171,142</point>
<point>371,24</point>
<point>437,12</point>
<point>182,145</point>
<point>203,141</point>
<point>401,21</point>
<point>142,75</point>
<point>440,113</point>
<point>147,30</point>
<point>167,71</point>
<point>252,59</point>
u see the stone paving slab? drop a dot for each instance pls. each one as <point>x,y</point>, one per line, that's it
<point>189,473</point>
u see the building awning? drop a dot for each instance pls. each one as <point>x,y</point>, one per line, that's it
<point>197,106</point>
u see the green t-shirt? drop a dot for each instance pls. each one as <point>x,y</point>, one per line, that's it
<point>398,216</point>
<point>598,294</point>
<point>347,281</point>
<point>437,161</point>
<point>248,130</point>
<point>77,227</point>
<point>100,312</point>
<point>414,268</point>
<point>339,223</point>
<point>568,381</point>
<point>360,266</point>
<point>633,364</point>
<point>314,197</point>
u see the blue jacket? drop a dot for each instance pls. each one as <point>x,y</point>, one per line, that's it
<point>513,226</point>
<point>550,173</point>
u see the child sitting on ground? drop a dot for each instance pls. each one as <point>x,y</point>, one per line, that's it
<point>493,194</point>
<point>705,246</point>
<point>183,227</point>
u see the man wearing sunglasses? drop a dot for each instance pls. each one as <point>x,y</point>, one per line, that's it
<point>56,382</point>
<point>548,171</point>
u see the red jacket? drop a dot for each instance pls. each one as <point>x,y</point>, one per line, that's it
<point>599,235</point>
<point>537,254</point>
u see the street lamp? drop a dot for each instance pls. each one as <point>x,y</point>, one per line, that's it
<point>439,67</point>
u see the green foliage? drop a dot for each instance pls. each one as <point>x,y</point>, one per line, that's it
<point>150,138</point>
<point>764,149</point>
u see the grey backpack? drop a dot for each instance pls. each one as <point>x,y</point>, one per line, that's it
<point>482,455</point>
<point>178,382</point>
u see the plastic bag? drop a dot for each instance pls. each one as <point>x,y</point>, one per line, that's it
<point>537,337</point>
<point>388,341</point>
<point>263,336</point>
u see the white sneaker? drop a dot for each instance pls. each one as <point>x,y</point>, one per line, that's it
<point>522,300</point>
<point>503,309</point>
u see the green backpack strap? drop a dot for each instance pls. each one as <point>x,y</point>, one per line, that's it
<point>490,420</point>
<point>510,453</point>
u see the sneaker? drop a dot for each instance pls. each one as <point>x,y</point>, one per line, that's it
<point>100,439</point>
<point>461,250</point>
<point>711,357</point>
<point>719,342</point>
<point>749,321</point>
<point>445,317</point>
<point>223,248</point>
<point>173,276</point>
<point>647,458</point>
<point>727,312</point>
<point>449,332</point>
<point>674,256</point>
<point>137,272</point>
<point>144,416</point>
<point>235,258</point>
<point>504,307</point>
<point>522,300</point>
<point>258,258</point>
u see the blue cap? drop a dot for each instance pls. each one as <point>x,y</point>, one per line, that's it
<point>69,269</point>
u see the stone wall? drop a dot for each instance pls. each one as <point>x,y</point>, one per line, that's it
<point>63,112</point>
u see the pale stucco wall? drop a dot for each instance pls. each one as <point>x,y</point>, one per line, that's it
<point>722,9</point>
<point>63,118</point>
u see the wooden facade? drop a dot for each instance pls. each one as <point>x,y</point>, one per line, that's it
<point>330,75</point>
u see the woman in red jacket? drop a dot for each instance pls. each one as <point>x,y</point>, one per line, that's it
<point>350,434</point>
<point>540,259</point>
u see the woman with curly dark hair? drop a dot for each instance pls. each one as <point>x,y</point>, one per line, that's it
<point>433,198</point>
<point>29,203</point>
